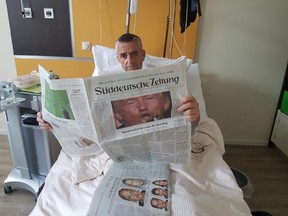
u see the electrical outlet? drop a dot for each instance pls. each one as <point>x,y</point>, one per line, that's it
<point>48,13</point>
<point>86,45</point>
<point>27,13</point>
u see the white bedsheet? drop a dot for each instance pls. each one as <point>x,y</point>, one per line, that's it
<point>204,187</point>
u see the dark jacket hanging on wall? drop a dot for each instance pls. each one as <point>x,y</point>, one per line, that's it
<point>188,13</point>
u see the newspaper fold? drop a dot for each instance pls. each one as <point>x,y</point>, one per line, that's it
<point>131,116</point>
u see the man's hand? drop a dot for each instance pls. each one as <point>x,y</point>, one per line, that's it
<point>190,108</point>
<point>43,124</point>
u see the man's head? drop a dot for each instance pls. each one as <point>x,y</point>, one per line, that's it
<point>158,203</point>
<point>130,52</point>
<point>134,182</point>
<point>160,191</point>
<point>130,194</point>
<point>160,182</point>
<point>133,111</point>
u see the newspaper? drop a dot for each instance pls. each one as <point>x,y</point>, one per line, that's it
<point>66,107</point>
<point>133,189</point>
<point>130,116</point>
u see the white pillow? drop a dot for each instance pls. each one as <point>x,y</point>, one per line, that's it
<point>106,63</point>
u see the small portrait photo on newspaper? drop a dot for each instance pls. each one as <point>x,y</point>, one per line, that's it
<point>133,195</point>
<point>161,183</point>
<point>159,203</point>
<point>138,110</point>
<point>160,192</point>
<point>134,182</point>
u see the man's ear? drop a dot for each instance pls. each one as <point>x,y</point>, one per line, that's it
<point>144,53</point>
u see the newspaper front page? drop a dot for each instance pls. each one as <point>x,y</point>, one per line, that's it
<point>136,117</point>
<point>133,189</point>
<point>131,116</point>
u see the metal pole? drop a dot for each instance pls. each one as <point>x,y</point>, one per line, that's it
<point>128,17</point>
<point>172,32</point>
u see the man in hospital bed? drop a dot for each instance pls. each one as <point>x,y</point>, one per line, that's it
<point>131,55</point>
<point>197,190</point>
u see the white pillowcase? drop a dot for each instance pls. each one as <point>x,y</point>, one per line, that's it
<point>106,63</point>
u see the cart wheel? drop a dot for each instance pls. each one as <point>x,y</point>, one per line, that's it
<point>7,189</point>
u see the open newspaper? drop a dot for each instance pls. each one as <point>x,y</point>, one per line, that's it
<point>133,189</point>
<point>131,115</point>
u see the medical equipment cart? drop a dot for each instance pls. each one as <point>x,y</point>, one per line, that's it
<point>33,150</point>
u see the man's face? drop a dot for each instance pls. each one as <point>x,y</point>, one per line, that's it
<point>161,183</point>
<point>133,111</point>
<point>130,55</point>
<point>160,192</point>
<point>158,203</point>
<point>134,182</point>
<point>131,195</point>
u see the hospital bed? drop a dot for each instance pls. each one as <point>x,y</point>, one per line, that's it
<point>205,187</point>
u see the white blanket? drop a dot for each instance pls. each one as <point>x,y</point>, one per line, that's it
<point>204,187</point>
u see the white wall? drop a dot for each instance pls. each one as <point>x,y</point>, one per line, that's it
<point>7,64</point>
<point>242,50</point>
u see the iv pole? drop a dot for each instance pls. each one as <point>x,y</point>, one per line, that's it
<point>22,9</point>
<point>172,32</point>
<point>128,17</point>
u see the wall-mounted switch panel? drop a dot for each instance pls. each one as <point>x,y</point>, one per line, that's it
<point>86,45</point>
<point>27,13</point>
<point>48,13</point>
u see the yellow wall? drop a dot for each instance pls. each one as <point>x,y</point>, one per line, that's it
<point>150,25</point>
<point>63,68</point>
<point>101,22</point>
